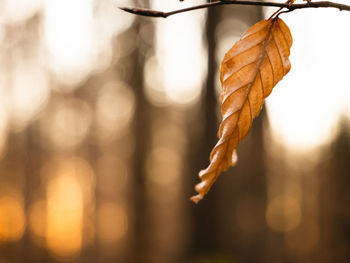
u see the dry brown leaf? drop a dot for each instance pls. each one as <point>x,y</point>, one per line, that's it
<point>249,71</point>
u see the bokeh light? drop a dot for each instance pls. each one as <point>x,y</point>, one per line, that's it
<point>69,191</point>
<point>184,62</point>
<point>27,99</point>
<point>304,108</point>
<point>64,216</point>
<point>69,123</point>
<point>68,36</point>
<point>12,219</point>
<point>114,109</point>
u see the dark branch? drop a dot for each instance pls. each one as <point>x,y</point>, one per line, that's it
<point>154,13</point>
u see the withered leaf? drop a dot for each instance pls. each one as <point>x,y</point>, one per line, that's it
<point>249,71</point>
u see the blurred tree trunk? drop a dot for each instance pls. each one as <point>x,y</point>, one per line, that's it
<point>231,217</point>
<point>205,212</point>
<point>142,126</point>
<point>32,185</point>
<point>242,189</point>
<point>335,198</point>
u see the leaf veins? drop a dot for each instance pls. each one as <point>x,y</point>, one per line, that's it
<point>249,71</point>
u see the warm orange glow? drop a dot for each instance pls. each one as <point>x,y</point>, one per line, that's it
<point>283,213</point>
<point>69,190</point>
<point>64,216</point>
<point>111,222</point>
<point>12,219</point>
<point>74,167</point>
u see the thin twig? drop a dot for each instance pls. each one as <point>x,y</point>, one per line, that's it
<point>154,13</point>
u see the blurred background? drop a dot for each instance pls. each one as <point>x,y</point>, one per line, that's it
<point>106,119</point>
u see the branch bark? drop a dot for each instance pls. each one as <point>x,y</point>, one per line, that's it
<point>155,13</point>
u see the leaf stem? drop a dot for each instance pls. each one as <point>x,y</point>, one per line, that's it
<point>155,13</point>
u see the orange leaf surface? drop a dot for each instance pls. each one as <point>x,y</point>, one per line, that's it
<point>249,71</point>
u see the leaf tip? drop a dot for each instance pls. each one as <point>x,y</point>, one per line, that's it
<point>195,199</point>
